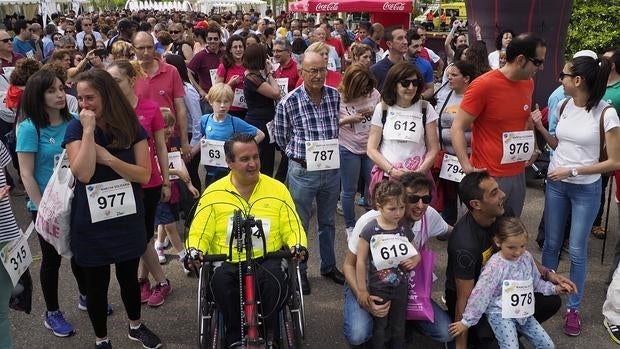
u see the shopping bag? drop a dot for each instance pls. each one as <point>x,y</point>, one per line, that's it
<point>419,303</point>
<point>54,211</point>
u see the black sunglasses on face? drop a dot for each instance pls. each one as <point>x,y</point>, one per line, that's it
<point>405,83</point>
<point>535,61</point>
<point>414,199</point>
<point>563,75</point>
<point>174,32</point>
<point>5,40</point>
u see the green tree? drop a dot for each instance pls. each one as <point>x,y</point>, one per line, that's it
<point>593,26</point>
<point>108,4</point>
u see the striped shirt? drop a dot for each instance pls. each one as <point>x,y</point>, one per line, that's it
<point>299,120</point>
<point>8,227</point>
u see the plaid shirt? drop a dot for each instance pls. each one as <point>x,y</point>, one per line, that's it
<point>299,120</point>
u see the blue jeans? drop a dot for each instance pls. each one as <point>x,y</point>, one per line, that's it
<point>584,200</point>
<point>358,322</point>
<point>351,167</point>
<point>506,331</point>
<point>6,287</point>
<point>324,186</point>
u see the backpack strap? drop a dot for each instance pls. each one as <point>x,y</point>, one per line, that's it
<point>424,108</point>
<point>384,110</point>
<point>563,106</point>
<point>603,146</point>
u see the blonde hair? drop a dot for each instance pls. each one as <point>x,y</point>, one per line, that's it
<point>131,69</point>
<point>317,47</point>
<point>509,227</point>
<point>122,50</point>
<point>169,119</point>
<point>220,91</point>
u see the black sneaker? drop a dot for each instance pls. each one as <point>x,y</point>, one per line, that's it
<point>104,345</point>
<point>145,336</point>
<point>614,331</point>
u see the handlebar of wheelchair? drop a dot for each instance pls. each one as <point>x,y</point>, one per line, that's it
<point>279,254</point>
<point>214,258</point>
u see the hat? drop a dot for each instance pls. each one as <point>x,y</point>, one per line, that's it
<point>586,53</point>
<point>125,24</point>
<point>201,25</point>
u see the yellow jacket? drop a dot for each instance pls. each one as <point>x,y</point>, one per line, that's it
<point>270,202</point>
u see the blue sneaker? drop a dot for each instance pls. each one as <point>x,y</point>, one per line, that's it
<point>56,322</point>
<point>82,305</point>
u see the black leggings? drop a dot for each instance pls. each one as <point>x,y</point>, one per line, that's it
<point>50,264</point>
<point>97,282</point>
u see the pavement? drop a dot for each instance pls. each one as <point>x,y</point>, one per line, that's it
<point>175,321</point>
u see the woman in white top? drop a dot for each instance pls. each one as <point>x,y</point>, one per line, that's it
<point>502,41</point>
<point>399,141</point>
<point>574,178</point>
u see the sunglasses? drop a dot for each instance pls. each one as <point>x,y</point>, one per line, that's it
<point>174,32</point>
<point>414,199</point>
<point>535,61</point>
<point>563,74</point>
<point>5,40</point>
<point>213,39</point>
<point>406,83</point>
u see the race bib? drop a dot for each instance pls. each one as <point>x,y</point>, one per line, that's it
<point>388,250</point>
<point>111,199</point>
<point>518,146</point>
<point>257,241</point>
<point>403,126</point>
<point>322,155</point>
<point>283,85</point>
<point>64,162</point>
<point>213,74</point>
<point>361,126</point>
<point>212,153</point>
<point>331,64</point>
<point>16,256</point>
<point>517,299</point>
<point>451,169</point>
<point>175,162</point>
<point>239,99</point>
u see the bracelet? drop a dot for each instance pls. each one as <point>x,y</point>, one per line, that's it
<point>546,272</point>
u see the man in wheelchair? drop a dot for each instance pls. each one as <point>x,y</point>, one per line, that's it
<point>265,199</point>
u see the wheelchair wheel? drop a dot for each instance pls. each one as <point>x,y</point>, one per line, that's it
<point>296,307</point>
<point>290,336</point>
<point>210,323</point>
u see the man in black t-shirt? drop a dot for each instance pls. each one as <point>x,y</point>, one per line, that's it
<point>469,248</point>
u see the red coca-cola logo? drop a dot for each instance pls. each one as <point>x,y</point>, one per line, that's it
<point>394,6</point>
<point>331,7</point>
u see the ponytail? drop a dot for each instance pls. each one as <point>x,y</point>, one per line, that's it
<point>595,73</point>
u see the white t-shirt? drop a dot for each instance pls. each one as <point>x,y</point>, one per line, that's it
<point>494,59</point>
<point>578,134</point>
<point>432,55</point>
<point>396,151</point>
<point>435,226</point>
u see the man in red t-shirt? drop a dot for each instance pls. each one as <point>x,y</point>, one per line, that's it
<point>497,107</point>
<point>203,63</point>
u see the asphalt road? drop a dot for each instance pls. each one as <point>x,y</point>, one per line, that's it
<point>175,321</point>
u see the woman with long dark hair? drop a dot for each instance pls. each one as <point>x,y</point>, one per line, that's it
<point>586,144</point>
<point>231,71</point>
<point>109,157</point>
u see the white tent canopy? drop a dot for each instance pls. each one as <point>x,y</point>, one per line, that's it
<point>135,5</point>
<point>233,5</point>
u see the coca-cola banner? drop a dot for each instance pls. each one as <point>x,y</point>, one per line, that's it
<point>547,19</point>
<point>333,6</point>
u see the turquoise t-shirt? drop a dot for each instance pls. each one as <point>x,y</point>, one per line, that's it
<point>222,131</point>
<point>45,146</point>
<point>612,95</point>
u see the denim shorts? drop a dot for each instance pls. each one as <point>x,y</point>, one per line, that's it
<point>166,213</point>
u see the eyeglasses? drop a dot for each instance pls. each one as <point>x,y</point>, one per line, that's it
<point>213,39</point>
<point>5,40</point>
<point>563,74</point>
<point>70,31</point>
<point>174,32</point>
<point>315,71</point>
<point>535,61</point>
<point>279,51</point>
<point>414,199</point>
<point>408,82</point>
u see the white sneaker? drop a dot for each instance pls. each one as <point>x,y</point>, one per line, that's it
<point>349,231</point>
<point>167,243</point>
<point>161,255</point>
<point>339,208</point>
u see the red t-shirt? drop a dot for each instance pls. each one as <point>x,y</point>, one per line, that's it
<point>337,43</point>
<point>228,74</point>
<point>152,121</point>
<point>498,105</point>
<point>202,63</point>
<point>289,71</point>
<point>332,79</point>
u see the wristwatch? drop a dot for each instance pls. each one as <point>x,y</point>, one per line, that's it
<point>573,172</point>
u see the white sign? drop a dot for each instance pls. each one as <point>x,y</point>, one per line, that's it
<point>518,146</point>
<point>270,130</point>
<point>8,71</point>
<point>322,155</point>
<point>111,199</point>
<point>283,85</point>
<point>239,99</point>
<point>517,299</point>
<point>403,126</point>
<point>364,125</point>
<point>388,250</point>
<point>16,256</point>
<point>331,64</point>
<point>213,73</point>
<point>257,241</point>
<point>65,160</point>
<point>175,162</point>
<point>451,169</point>
<point>212,153</point>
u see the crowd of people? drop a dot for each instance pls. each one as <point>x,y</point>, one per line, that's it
<point>295,118</point>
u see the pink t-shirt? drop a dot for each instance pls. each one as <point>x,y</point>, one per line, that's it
<point>355,138</point>
<point>229,73</point>
<point>151,120</point>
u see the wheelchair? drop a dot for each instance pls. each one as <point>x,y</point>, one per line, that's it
<point>290,330</point>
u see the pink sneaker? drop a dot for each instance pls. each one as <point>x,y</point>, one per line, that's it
<point>572,324</point>
<point>160,293</point>
<point>145,290</point>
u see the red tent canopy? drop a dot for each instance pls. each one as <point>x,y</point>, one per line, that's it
<point>333,6</point>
